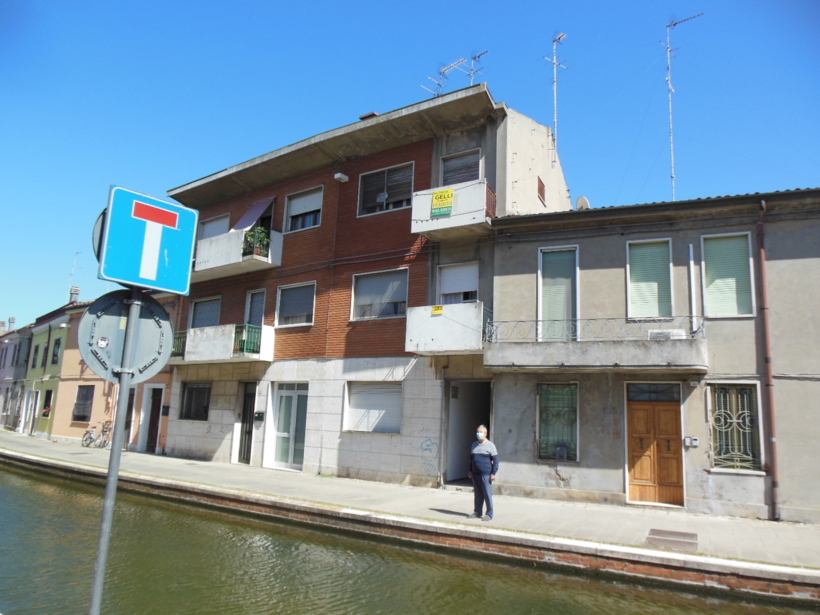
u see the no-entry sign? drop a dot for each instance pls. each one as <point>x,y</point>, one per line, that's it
<point>147,242</point>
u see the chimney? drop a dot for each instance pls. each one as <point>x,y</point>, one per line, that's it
<point>2,327</point>
<point>75,293</point>
<point>12,320</point>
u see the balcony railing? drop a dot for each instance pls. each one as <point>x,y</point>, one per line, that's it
<point>489,208</point>
<point>178,349</point>
<point>643,329</point>
<point>485,325</point>
<point>247,339</point>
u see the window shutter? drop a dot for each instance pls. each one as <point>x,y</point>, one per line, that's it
<point>256,309</point>
<point>400,183</point>
<point>212,228</point>
<point>305,202</point>
<point>463,168</point>
<point>206,313</point>
<point>459,278</point>
<point>296,305</point>
<point>557,293</point>
<point>650,289</point>
<point>373,184</point>
<point>374,291</point>
<point>728,276</point>
<point>374,407</point>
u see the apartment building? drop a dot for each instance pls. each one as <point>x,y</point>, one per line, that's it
<point>295,349</point>
<point>14,353</point>
<point>661,354</point>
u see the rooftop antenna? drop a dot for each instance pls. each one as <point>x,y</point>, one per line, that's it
<point>473,70</point>
<point>442,77</point>
<point>71,275</point>
<point>671,92</point>
<point>555,65</point>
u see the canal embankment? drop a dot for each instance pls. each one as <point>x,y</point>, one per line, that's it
<point>668,545</point>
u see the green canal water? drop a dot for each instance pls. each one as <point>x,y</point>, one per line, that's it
<point>172,558</point>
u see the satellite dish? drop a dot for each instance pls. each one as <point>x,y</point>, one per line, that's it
<point>582,203</point>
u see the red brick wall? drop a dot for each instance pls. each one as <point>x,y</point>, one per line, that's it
<point>331,254</point>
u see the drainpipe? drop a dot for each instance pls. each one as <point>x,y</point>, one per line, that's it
<point>767,349</point>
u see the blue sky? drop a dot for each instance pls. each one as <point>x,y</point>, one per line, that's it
<point>151,95</point>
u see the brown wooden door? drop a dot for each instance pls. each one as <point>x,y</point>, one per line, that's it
<point>153,420</point>
<point>655,452</point>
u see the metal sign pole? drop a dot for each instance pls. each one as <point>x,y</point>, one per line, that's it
<point>125,376</point>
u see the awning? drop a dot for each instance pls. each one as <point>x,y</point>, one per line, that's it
<point>256,209</point>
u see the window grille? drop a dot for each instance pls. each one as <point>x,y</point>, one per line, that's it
<point>558,422</point>
<point>82,407</point>
<point>196,399</point>
<point>735,427</point>
<point>653,391</point>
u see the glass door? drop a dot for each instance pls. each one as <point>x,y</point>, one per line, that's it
<point>291,418</point>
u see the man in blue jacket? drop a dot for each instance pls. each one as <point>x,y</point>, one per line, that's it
<point>483,468</point>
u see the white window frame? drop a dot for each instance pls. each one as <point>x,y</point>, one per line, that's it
<point>353,295</point>
<point>201,224</point>
<point>412,163</point>
<point>197,300</point>
<point>761,438</point>
<point>538,457</point>
<point>438,278</point>
<point>629,281</point>
<point>752,288</point>
<point>539,290</point>
<point>347,408</point>
<point>456,155</point>
<point>248,303</point>
<point>279,299</point>
<point>285,222</point>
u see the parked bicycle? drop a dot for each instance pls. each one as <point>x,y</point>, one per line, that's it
<point>101,440</point>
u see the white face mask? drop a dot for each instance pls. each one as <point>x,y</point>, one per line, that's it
<point>480,435</point>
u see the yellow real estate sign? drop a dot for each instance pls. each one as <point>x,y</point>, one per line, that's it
<point>442,203</point>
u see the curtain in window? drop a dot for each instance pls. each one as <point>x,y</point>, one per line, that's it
<point>650,287</point>
<point>374,407</point>
<point>728,276</point>
<point>296,305</point>
<point>381,295</point>
<point>558,295</point>
<point>386,189</point>
<point>463,168</point>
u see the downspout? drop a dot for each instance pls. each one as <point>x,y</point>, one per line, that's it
<point>767,349</point>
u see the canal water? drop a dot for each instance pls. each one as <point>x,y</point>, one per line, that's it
<point>173,558</point>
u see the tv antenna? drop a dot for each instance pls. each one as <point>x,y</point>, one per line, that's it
<point>71,274</point>
<point>671,89</point>
<point>555,65</point>
<point>473,70</point>
<point>442,77</point>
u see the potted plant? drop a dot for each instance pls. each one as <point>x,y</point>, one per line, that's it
<point>256,242</point>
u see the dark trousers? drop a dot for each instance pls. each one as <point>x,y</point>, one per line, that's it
<point>483,493</point>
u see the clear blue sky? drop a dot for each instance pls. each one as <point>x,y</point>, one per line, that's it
<point>153,94</point>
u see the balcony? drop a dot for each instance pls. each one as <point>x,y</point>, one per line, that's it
<point>456,328</point>
<point>236,252</point>
<point>466,214</point>
<point>223,344</point>
<point>620,344</point>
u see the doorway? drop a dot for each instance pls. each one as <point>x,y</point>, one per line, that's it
<point>246,425</point>
<point>289,422</point>
<point>654,444</point>
<point>154,417</point>
<point>469,404</point>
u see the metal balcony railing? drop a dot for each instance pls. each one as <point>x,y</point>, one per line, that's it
<point>616,329</point>
<point>247,339</point>
<point>485,324</point>
<point>178,349</point>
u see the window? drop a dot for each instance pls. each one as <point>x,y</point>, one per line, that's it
<point>458,283</point>
<point>34,357</point>
<point>650,279</point>
<point>542,191</point>
<point>47,399</point>
<point>380,295</point>
<point>214,227</point>
<point>374,407</point>
<point>296,305</point>
<point>558,295</point>
<point>55,354</point>
<point>15,355</point>
<point>195,401</point>
<point>727,276</point>
<point>205,313</point>
<point>3,354</point>
<point>304,210</point>
<point>735,427</point>
<point>387,189</point>
<point>461,168</point>
<point>255,308</point>
<point>82,407</point>
<point>558,422</point>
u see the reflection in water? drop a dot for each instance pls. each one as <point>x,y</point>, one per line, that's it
<point>172,558</point>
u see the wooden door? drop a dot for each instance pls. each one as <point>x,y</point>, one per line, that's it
<point>153,420</point>
<point>655,452</point>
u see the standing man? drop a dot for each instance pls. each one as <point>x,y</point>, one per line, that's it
<point>483,468</point>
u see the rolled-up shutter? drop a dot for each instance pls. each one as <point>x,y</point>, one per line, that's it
<point>305,202</point>
<point>462,168</point>
<point>650,289</point>
<point>458,278</point>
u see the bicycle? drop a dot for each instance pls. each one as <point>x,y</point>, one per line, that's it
<point>100,441</point>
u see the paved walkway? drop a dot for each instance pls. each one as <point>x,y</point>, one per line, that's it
<point>767,542</point>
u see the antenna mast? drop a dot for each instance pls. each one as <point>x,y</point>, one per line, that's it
<point>555,65</point>
<point>442,76</point>
<point>473,70</point>
<point>671,92</point>
<point>71,275</point>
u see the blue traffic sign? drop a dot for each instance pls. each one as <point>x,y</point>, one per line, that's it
<point>147,242</point>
